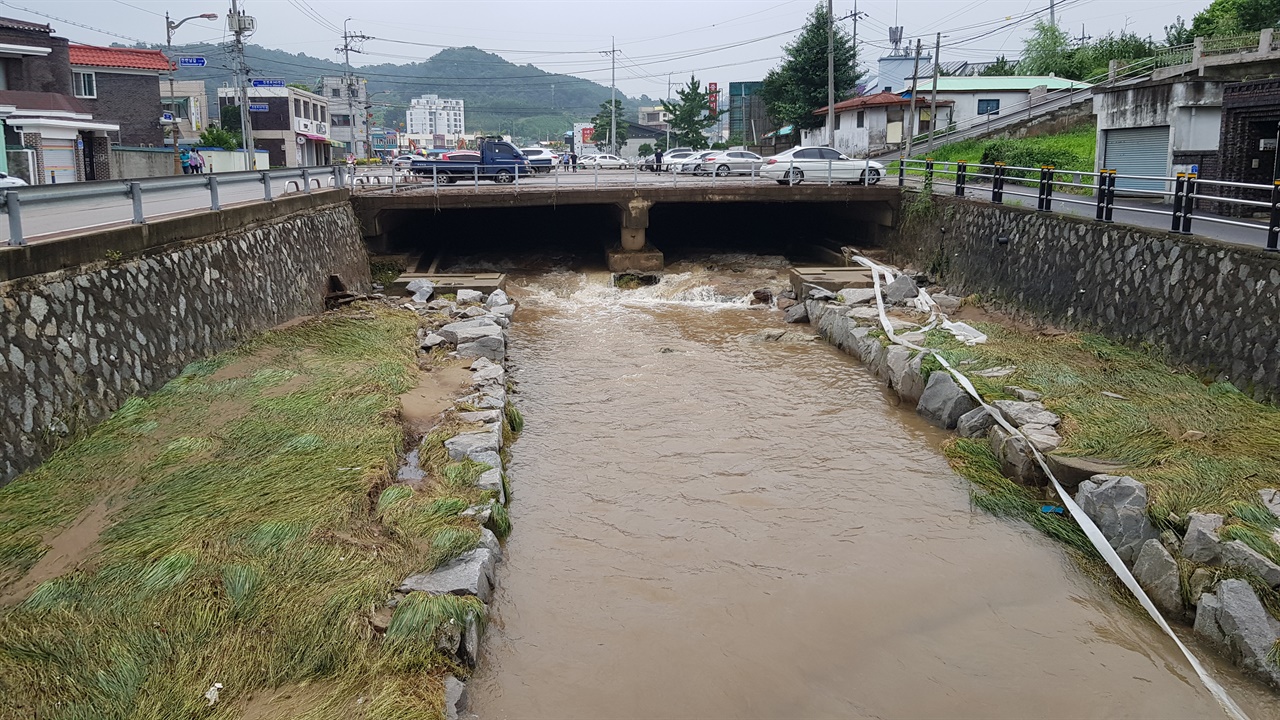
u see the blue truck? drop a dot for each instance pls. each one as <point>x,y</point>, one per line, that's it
<point>496,160</point>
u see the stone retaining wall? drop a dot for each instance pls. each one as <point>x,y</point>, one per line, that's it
<point>76,343</point>
<point>1211,305</point>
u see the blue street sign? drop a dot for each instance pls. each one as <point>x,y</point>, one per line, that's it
<point>1195,169</point>
<point>259,107</point>
<point>268,82</point>
<point>190,62</point>
<point>166,117</point>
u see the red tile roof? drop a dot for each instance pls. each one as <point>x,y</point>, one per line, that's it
<point>880,99</point>
<point>129,58</point>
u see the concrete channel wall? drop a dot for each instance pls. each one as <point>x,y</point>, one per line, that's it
<point>89,321</point>
<point>1198,302</point>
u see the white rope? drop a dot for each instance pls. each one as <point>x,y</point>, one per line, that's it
<point>1090,529</point>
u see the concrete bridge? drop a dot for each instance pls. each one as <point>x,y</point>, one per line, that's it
<point>632,222</point>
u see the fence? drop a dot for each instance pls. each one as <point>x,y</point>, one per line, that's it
<point>171,194</point>
<point>1180,192</point>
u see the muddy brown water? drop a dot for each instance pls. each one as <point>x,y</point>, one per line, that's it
<point>708,526</point>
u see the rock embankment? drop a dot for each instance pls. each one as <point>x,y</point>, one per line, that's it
<point>1189,570</point>
<point>470,326</point>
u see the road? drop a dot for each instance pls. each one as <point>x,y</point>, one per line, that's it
<point>46,221</point>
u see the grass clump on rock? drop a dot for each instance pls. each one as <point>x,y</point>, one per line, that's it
<point>239,530</point>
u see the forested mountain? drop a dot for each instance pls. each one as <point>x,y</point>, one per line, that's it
<point>500,96</point>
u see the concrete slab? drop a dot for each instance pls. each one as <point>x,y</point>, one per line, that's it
<point>835,279</point>
<point>484,282</point>
<point>638,262</point>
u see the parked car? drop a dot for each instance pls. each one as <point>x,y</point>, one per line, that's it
<point>604,160</point>
<point>8,181</point>
<point>692,163</point>
<point>794,165</point>
<point>540,159</point>
<point>649,161</point>
<point>458,156</point>
<point>730,162</point>
<point>402,162</point>
<point>675,157</point>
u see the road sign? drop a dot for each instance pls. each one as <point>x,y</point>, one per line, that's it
<point>1195,169</point>
<point>166,117</point>
<point>259,107</point>
<point>268,82</point>
<point>191,61</point>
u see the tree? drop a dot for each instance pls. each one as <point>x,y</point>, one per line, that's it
<point>646,150</point>
<point>230,118</point>
<point>690,115</point>
<point>998,68</point>
<point>1047,52</point>
<point>796,88</point>
<point>1092,59</point>
<point>1235,17</point>
<point>603,123</point>
<point>1178,33</point>
<point>214,136</point>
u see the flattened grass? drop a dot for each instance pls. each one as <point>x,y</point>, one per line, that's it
<point>1144,427</point>
<point>252,538</point>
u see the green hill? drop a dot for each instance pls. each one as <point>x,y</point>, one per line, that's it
<point>500,96</point>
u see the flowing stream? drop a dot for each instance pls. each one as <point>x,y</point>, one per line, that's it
<point>708,525</point>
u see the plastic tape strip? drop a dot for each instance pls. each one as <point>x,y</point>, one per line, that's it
<point>1090,529</point>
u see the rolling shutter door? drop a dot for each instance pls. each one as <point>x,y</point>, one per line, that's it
<point>60,158</point>
<point>1138,151</point>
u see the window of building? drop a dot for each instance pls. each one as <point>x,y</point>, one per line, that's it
<point>84,84</point>
<point>988,107</point>
<point>837,121</point>
<point>336,92</point>
<point>306,109</point>
<point>297,107</point>
<point>862,118</point>
<point>340,120</point>
<point>320,110</point>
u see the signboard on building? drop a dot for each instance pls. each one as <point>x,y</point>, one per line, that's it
<point>437,140</point>
<point>588,134</point>
<point>713,97</point>
<point>259,107</point>
<point>191,61</point>
<point>268,82</point>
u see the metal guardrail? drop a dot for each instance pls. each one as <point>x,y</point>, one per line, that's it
<point>13,200</point>
<point>1181,191</point>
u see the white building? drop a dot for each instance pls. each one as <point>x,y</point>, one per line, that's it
<point>991,96</point>
<point>872,124</point>
<point>348,112</point>
<point>431,115</point>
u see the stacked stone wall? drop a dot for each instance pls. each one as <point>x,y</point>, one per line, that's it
<point>1208,305</point>
<point>76,344</point>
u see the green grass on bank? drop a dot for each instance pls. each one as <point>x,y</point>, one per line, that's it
<point>1073,151</point>
<point>1220,473</point>
<point>253,535</point>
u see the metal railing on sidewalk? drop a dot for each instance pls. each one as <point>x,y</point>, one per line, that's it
<point>291,180</point>
<point>1178,195</point>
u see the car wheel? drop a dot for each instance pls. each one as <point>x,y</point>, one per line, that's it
<point>503,177</point>
<point>794,177</point>
<point>870,176</point>
<point>781,182</point>
<point>722,171</point>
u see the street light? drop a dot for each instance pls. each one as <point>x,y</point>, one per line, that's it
<point>169,27</point>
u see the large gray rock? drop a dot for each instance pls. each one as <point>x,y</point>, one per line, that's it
<point>466,331</point>
<point>490,541</point>
<point>488,457</point>
<point>1241,555</point>
<point>470,296</point>
<point>1016,459</point>
<point>465,445</point>
<point>492,347</point>
<point>471,573</point>
<point>901,290</point>
<point>505,311</point>
<point>1020,413</point>
<point>480,416</point>
<point>491,480</point>
<point>1233,618</point>
<point>1201,542</point>
<point>857,296</point>
<point>474,311</point>
<point>1157,572</point>
<point>1044,437</point>
<point>975,423</point>
<point>471,635</point>
<point>1023,394</point>
<point>1118,506</point>
<point>421,289</point>
<point>496,298</point>
<point>1271,498</point>
<point>432,340</point>
<point>455,698</point>
<point>796,314</point>
<point>947,303</point>
<point>943,401</point>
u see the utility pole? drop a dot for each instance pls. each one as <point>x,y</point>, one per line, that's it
<point>911,115</point>
<point>831,75</point>
<point>613,95</point>
<point>236,20</point>
<point>933,94</point>
<point>169,27</point>
<point>668,123</point>
<point>346,49</point>
<point>1052,19</point>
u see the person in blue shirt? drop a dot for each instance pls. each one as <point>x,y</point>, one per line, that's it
<point>185,158</point>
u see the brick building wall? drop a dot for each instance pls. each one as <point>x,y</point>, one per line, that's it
<point>1250,113</point>
<point>130,101</point>
<point>37,74</point>
<point>33,141</point>
<point>100,154</point>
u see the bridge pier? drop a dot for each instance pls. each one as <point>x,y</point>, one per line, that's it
<point>634,254</point>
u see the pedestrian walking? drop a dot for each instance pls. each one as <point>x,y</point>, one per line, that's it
<point>573,160</point>
<point>184,157</point>
<point>657,160</point>
<point>197,162</point>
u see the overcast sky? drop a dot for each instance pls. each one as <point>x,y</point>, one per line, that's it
<point>720,40</point>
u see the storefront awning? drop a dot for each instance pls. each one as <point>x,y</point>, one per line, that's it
<point>337,144</point>
<point>319,138</point>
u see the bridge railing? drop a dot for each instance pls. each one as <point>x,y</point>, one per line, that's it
<point>1177,198</point>
<point>149,198</point>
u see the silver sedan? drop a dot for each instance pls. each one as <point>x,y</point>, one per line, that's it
<point>730,162</point>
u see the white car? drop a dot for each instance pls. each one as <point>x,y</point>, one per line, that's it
<point>692,163</point>
<point>8,181</point>
<point>402,162</point>
<point>604,161</point>
<point>540,159</point>
<point>815,164</point>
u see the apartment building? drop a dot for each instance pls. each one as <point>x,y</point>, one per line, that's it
<point>432,115</point>
<point>292,125</point>
<point>348,112</point>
